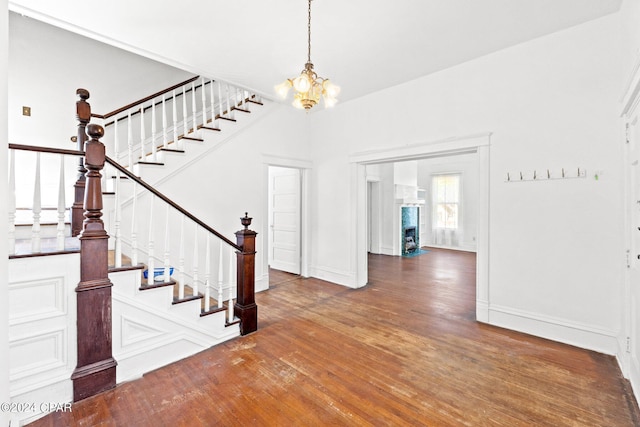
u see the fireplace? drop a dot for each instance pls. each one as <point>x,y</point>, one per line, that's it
<point>410,240</point>
<point>409,231</point>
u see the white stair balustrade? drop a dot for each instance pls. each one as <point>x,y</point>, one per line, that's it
<point>61,208</point>
<point>36,208</point>
<point>232,287</point>
<point>195,261</point>
<point>11,202</point>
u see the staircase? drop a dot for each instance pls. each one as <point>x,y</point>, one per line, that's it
<point>179,286</point>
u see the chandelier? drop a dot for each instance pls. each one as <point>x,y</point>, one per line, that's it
<point>308,87</point>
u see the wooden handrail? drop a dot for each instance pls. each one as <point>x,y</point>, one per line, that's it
<point>170,202</point>
<point>140,101</point>
<point>45,149</point>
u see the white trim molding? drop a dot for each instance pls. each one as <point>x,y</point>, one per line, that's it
<point>476,143</point>
<point>557,329</point>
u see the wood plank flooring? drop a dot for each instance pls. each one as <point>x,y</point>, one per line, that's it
<point>403,351</point>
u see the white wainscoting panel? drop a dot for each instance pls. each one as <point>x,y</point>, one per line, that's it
<point>42,331</point>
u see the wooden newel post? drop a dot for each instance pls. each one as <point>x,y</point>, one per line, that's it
<point>245,306</point>
<point>96,369</point>
<point>83,115</point>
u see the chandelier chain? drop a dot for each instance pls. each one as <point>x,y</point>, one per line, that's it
<point>309,35</point>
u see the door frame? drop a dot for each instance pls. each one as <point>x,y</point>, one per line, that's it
<point>627,350</point>
<point>305,186</point>
<point>477,143</point>
<point>374,228</point>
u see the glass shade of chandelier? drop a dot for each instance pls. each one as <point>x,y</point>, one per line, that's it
<point>308,87</point>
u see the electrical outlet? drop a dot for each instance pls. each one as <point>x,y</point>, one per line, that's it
<point>26,111</point>
<point>582,172</point>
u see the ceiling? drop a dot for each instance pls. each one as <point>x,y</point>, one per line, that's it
<point>362,45</point>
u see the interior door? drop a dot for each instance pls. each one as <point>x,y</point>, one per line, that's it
<point>284,217</point>
<point>633,239</point>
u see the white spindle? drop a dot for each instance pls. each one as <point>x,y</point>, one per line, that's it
<point>130,142</point>
<point>207,274</point>
<point>116,223</point>
<point>213,105</point>
<point>245,96</point>
<point>61,207</point>
<point>154,131</point>
<point>143,135</point>
<point>236,95</point>
<point>185,117</point>
<point>204,104</point>
<point>167,249</point>
<point>232,289</point>
<point>151,261</point>
<point>193,106</point>
<point>220,276</point>
<point>181,261</point>
<point>229,114</point>
<point>116,149</point>
<point>195,261</point>
<point>165,131</point>
<point>37,208</point>
<point>11,208</point>
<point>220,103</point>
<point>175,120</point>
<point>134,234</point>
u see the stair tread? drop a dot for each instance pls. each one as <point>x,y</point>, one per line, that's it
<point>151,163</point>
<point>243,110</point>
<point>172,150</point>
<point>187,298</point>
<point>190,138</point>
<point>255,102</point>
<point>48,246</point>
<point>209,128</point>
<point>226,118</point>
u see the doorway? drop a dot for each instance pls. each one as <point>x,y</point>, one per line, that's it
<point>480,144</point>
<point>284,213</point>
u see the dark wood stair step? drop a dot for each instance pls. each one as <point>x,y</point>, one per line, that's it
<point>226,118</point>
<point>254,101</point>
<point>171,150</point>
<point>209,128</point>
<point>145,285</point>
<point>241,110</point>
<point>191,138</point>
<point>151,163</point>
<point>187,298</point>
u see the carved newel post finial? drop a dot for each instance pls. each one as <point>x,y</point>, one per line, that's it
<point>245,306</point>
<point>246,220</point>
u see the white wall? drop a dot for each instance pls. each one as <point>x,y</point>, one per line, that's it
<point>47,65</point>
<point>467,166</point>
<point>4,289</point>
<point>555,262</point>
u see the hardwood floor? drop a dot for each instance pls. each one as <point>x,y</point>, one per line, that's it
<point>403,351</point>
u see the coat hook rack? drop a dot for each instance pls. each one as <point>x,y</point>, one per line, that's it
<point>550,175</point>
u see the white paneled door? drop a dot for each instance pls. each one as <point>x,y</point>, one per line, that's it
<point>633,242</point>
<point>284,219</point>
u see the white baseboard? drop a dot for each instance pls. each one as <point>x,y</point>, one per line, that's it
<point>573,333</point>
<point>343,278</point>
<point>262,283</point>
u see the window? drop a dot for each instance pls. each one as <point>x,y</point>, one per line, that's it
<point>446,200</point>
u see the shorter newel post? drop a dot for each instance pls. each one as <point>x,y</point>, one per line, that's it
<point>96,369</point>
<point>245,306</point>
<point>83,115</point>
